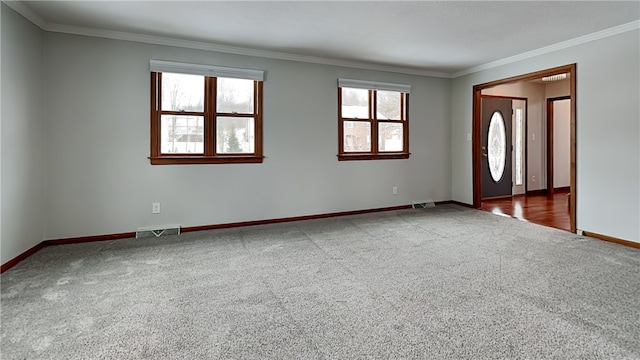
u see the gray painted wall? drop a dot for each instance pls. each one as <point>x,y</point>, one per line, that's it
<point>95,178</point>
<point>23,140</point>
<point>100,180</point>
<point>608,131</point>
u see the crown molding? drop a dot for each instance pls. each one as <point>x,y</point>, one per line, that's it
<point>634,25</point>
<point>198,45</point>
<point>23,10</point>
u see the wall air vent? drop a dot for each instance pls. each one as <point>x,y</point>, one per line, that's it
<point>423,204</point>
<point>157,231</point>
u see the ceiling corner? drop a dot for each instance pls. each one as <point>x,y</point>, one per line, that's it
<point>24,10</point>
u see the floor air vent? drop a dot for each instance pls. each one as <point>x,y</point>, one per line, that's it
<point>158,231</point>
<point>423,204</point>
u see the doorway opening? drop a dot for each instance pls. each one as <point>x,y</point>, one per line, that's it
<point>558,128</point>
<point>480,151</point>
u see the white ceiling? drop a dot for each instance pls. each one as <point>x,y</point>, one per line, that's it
<point>437,36</point>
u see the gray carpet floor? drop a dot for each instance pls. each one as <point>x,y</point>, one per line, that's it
<point>439,283</point>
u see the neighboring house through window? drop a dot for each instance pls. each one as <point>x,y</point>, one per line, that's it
<point>204,114</point>
<point>373,120</point>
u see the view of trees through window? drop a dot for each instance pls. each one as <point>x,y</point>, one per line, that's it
<point>372,114</point>
<point>182,133</point>
<point>234,134</point>
<point>234,108</point>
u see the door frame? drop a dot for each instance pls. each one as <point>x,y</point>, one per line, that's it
<point>550,102</point>
<point>476,144</point>
<point>526,130</point>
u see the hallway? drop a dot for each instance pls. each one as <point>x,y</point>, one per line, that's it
<point>539,209</point>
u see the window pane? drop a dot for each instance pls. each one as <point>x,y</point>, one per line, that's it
<point>355,103</point>
<point>519,147</point>
<point>235,135</point>
<point>182,92</point>
<point>388,105</point>
<point>357,136</point>
<point>390,137</point>
<point>181,134</point>
<point>235,95</point>
<point>497,146</point>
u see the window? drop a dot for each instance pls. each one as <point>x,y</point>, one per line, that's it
<point>372,120</point>
<point>497,146</point>
<point>205,114</point>
<point>518,147</point>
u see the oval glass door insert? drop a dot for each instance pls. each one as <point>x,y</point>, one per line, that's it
<point>497,146</point>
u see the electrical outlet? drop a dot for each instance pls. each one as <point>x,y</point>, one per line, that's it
<point>533,178</point>
<point>395,190</point>
<point>155,208</point>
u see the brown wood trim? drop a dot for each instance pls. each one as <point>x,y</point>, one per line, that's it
<point>525,149</point>
<point>453,202</point>
<point>373,115</point>
<point>476,127</point>
<point>289,219</point>
<point>545,191</point>
<point>183,113</point>
<point>573,147</point>
<point>566,97</point>
<point>13,262</point>
<point>155,144</point>
<point>374,153</point>
<point>257,107</point>
<point>530,76</point>
<point>572,70</point>
<point>504,97</point>
<point>497,197</point>
<point>340,123</point>
<point>237,114</point>
<point>476,145</point>
<point>536,192</point>
<point>193,160</point>
<point>76,240</point>
<point>550,149</point>
<point>404,114</point>
<point>367,156</point>
<point>210,139</point>
<point>84,239</point>
<point>209,156</point>
<point>612,239</point>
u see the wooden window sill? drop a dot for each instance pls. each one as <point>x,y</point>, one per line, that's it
<point>194,160</point>
<point>389,156</point>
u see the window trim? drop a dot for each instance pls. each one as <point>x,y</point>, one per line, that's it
<point>210,117</point>
<point>375,153</point>
<point>205,70</point>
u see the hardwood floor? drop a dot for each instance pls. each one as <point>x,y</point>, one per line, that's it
<point>552,211</point>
